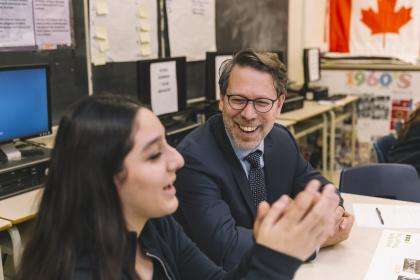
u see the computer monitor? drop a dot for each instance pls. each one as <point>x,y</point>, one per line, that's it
<point>213,62</point>
<point>311,65</point>
<point>24,104</point>
<point>162,84</point>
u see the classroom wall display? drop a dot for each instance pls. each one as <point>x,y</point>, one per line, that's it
<point>386,97</point>
<point>34,24</point>
<point>123,30</point>
<point>191,27</point>
<point>68,73</point>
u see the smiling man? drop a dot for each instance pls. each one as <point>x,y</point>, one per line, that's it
<point>240,158</point>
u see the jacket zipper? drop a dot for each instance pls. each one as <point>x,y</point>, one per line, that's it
<point>161,263</point>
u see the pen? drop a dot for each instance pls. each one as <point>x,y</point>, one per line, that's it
<point>379,215</point>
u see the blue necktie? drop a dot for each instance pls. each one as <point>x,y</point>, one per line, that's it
<point>256,177</point>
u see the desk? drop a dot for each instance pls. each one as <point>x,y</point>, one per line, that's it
<point>351,258</point>
<point>309,111</point>
<point>15,210</point>
<point>336,117</point>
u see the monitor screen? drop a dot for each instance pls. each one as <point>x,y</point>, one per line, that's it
<point>24,106</point>
<point>311,64</point>
<point>162,84</point>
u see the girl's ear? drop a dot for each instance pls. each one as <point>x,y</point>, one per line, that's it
<point>119,179</point>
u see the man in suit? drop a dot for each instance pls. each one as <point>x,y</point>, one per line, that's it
<point>240,158</point>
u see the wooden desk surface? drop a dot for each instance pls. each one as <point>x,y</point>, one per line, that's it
<point>20,208</point>
<point>310,109</point>
<point>5,224</point>
<point>345,101</point>
<point>351,258</point>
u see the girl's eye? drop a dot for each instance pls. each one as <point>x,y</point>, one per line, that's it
<point>155,156</point>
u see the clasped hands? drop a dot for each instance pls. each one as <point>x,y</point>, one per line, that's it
<point>299,227</point>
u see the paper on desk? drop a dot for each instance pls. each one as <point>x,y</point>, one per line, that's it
<point>394,216</point>
<point>396,257</point>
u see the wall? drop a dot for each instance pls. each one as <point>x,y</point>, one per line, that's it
<point>306,29</point>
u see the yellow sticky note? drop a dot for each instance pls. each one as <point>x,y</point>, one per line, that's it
<point>101,7</point>
<point>142,12</point>
<point>144,37</point>
<point>144,25</point>
<point>103,45</point>
<point>101,33</point>
<point>145,50</point>
<point>99,58</point>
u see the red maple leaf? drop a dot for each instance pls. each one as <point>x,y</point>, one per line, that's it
<point>386,20</point>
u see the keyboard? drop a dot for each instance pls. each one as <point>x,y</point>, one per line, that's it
<point>27,153</point>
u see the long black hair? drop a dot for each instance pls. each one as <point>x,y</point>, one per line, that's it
<point>413,119</point>
<point>80,212</point>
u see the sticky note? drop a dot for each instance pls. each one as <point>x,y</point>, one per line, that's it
<point>144,37</point>
<point>101,33</point>
<point>101,7</point>
<point>142,12</point>
<point>99,58</point>
<point>103,45</point>
<point>145,50</point>
<point>144,25</point>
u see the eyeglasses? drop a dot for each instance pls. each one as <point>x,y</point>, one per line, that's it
<point>261,105</point>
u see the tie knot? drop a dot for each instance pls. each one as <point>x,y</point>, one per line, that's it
<point>254,159</point>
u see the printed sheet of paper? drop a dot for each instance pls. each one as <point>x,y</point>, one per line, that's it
<point>163,87</point>
<point>192,27</point>
<point>52,23</point>
<point>397,257</point>
<point>131,28</point>
<point>394,216</point>
<point>16,24</point>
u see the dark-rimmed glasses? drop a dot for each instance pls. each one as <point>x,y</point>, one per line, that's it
<point>261,105</point>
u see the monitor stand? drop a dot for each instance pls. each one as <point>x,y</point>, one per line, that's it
<point>11,152</point>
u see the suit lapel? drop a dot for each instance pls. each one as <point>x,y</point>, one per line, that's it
<point>237,169</point>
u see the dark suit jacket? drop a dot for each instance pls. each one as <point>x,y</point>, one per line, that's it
<point>216,208</point>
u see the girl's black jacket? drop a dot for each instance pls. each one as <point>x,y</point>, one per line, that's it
<point>175,256</point>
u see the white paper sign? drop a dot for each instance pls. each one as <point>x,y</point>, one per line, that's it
<point>16,24</point>
<point>163,87</point>
<point>217,63</point>
<point>52,23</point>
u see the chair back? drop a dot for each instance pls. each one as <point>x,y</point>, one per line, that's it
<point>388,180</point>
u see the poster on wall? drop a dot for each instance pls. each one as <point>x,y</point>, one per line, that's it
<point>34,24</point>
<point>386,97</point>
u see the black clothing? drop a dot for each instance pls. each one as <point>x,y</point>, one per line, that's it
<point>177,257</point>
<point>407,151</point>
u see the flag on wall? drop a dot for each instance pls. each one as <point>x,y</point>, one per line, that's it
<point>375,28</point>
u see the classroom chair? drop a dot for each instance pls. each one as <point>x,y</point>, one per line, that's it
<point>387,180</point>
<point>382,146</point>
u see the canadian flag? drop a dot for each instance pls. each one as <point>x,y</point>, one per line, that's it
<point>375,28</point>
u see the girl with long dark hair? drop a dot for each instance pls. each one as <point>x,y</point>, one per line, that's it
<point>105,210</point>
